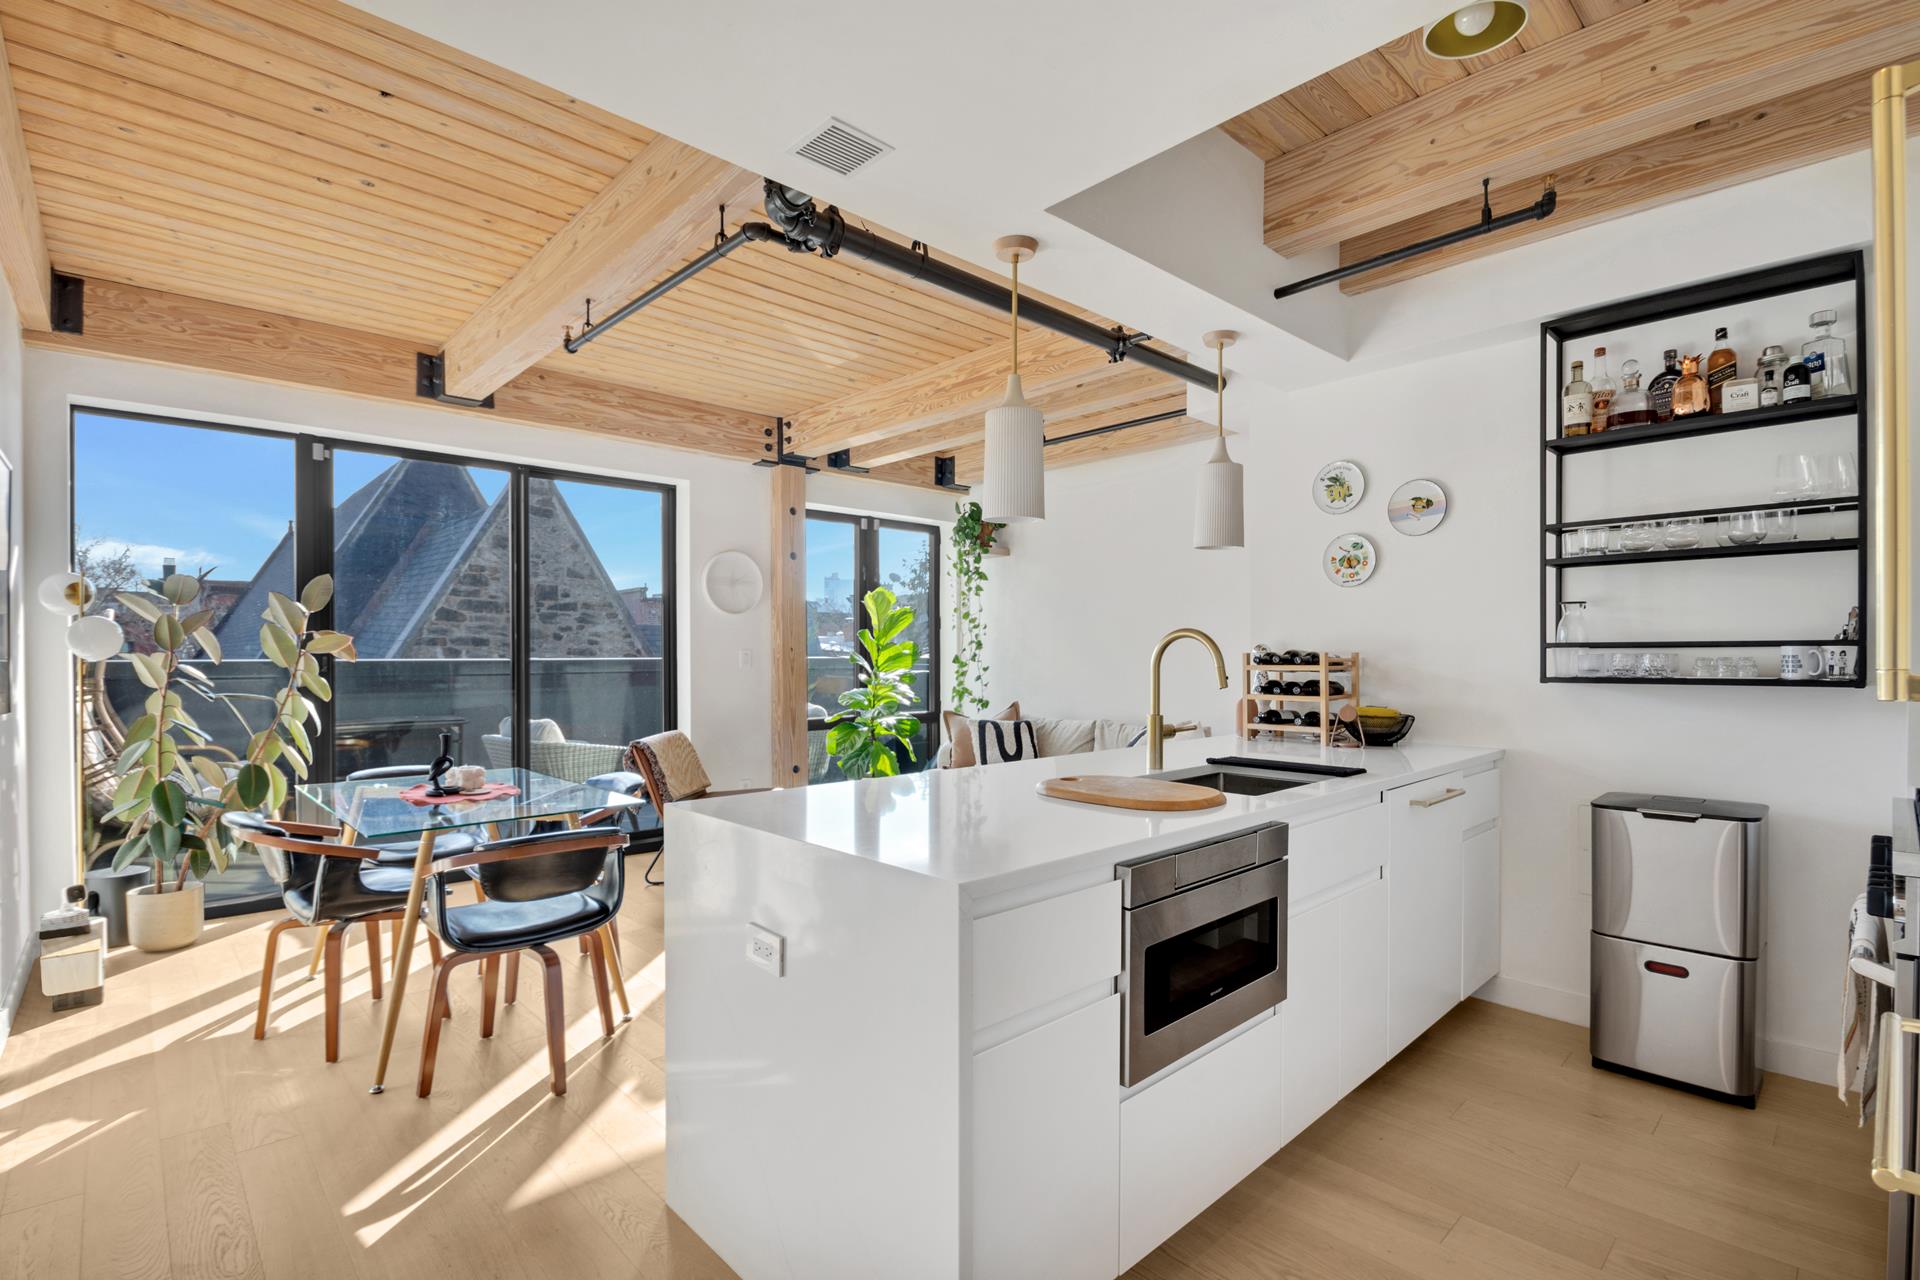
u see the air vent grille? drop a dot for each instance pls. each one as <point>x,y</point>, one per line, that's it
<point>839,146</point>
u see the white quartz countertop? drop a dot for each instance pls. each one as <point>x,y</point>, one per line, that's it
<point>987,829</point>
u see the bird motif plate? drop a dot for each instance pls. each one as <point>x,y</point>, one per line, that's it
<point>1417,507</point>
<point>1349,559</point>
<point>1339,487</point>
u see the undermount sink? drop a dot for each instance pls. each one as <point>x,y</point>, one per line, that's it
<point>1235,782</point>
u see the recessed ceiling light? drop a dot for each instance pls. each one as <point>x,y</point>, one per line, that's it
<point>1475,29</point>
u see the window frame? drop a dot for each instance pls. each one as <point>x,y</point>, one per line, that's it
<point>866,576</point>
<point>313,550</point>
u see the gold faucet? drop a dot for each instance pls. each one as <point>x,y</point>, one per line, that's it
<point>1156,726</point>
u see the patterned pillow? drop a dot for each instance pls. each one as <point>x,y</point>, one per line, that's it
<point>1004,741</point>
<point>960,733</point>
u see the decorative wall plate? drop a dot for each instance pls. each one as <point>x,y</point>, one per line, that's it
<point>1349,559</point>
<point>733,582</point>
<point>1417,507</point>
<point>1339,487</point>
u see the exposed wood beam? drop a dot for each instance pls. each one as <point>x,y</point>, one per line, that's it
<point>1633,77</point>
<point>23,246</point>
<point>966,385</point>
<point>1070,408</point>
<point>1738,147</point>
<point>635,230</point>
<point>168,328</point>
<point>787,511</point>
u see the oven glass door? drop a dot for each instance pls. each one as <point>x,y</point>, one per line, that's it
<point>1190,971</point>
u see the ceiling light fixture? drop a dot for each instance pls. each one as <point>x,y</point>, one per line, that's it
<point>1014,490</point>
<point>1219,507</point>
<point>1475,29</point>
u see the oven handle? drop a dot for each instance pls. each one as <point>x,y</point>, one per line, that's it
<point>1427,802</point>
<point>1890,1104</point>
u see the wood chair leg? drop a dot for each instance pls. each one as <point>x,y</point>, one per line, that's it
<point>430,1040</point>
<point>597,956</point>
<point>266,973</point>
<point>584,949</point>
<point>556,1018</point>
<point>433,954</point>
<point>373,956</point>
<point>489,988</point>
<point>335,940</point>
<point>513,976</point>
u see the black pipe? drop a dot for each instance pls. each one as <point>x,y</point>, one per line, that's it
<point>1487,225</point>
<point>1118,426</point>
<point>751,231</point>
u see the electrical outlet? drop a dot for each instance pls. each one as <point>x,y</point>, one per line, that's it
<point>767,950</point>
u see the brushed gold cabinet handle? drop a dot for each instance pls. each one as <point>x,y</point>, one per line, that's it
<point>1890,1103</point>
<point>1427,802</point>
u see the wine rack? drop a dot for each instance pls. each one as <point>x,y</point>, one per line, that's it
<point>1253,674</point>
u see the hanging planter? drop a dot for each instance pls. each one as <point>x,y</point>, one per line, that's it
<point>973,539</point>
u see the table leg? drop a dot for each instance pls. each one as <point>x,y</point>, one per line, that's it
<point>613,971</point>
<point>409,923</point>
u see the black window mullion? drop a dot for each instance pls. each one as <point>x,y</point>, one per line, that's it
<point>520,655</point>
<point>313,556</point>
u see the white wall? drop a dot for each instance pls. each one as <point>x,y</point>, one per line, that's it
<point>18,906</point>
<point>721,505</point>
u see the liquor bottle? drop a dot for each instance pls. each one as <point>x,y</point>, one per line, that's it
<point>1603,391</point>
<point>1629,407</point>
<point>1826,357</point>
<point>1722,367</point>
<point>1660,390</point>
<point>1796,383</point>
<point>1576,403</point>
<point>1690,392</point>
<point>1772,372</point>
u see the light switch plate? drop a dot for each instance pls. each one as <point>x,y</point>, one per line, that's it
<point>766,949</point>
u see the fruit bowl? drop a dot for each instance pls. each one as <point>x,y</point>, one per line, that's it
<point>1384,731</point>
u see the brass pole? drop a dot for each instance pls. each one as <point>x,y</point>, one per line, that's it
<point>1888,405</point>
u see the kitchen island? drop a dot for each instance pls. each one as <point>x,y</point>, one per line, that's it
<point>897,1007</point>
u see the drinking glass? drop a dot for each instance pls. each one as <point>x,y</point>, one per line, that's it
<point>1653,665</point>
<point>1681,534</point>
<point>1783,526</point>
<point>1704,669</point>
<point>1794,477</point>
<point>1846,476</point>
<point>1638,536</point>
<point>1620,663</point>
<point>1572,543</point>
<point>1591,663</point>
<point>1727,667</point>
<point>1593,540</point>
<point>1747,528</point>
<point>1747,669</point>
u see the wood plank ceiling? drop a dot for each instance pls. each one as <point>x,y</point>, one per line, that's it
<point>1351,155</point>
<point>306,159</point>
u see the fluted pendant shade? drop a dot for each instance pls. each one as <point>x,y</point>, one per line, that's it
<point>1219,515</point>
<point>1014,490</point>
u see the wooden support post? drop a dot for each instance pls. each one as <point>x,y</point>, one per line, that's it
<point>789,647</point>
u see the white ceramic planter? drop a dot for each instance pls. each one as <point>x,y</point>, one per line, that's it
<point>166,921</point>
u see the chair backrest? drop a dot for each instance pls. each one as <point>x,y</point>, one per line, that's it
<point>670,766</point>
<point>287,869</point>
<point>499,750</point>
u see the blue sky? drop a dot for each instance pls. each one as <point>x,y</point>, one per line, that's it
<point>222,499</point>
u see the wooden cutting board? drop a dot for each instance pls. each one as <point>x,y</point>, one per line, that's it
<point>1131,793</point>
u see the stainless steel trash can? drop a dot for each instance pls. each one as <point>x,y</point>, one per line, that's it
<point>1677,946</point>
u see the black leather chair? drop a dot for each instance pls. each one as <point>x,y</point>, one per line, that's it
<point>323,883</point>
<point>536,890</point>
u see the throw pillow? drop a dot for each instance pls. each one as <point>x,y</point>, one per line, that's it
<point>1004,741</point>
<point>960,733</point>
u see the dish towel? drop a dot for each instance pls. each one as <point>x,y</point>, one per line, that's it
<point>1864,1001</point>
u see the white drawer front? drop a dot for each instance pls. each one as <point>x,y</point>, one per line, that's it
<point>1482,801</point>
<point>1043,951</point>
<point>1334,851</point>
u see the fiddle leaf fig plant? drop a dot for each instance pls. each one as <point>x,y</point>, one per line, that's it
<point>861,738</point>
<point>972,539</point>
<point>170,792</point>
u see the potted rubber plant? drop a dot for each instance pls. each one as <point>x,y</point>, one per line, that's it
<point>861,739</point>
<point>171,796</point>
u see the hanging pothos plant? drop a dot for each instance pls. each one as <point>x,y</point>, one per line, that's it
<point>972,539</point>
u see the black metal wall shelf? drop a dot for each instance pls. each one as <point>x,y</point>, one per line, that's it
<point>1808,506</point>
<point>1723,295</point>
<point>1810,547</point>
<point>1707,424</point>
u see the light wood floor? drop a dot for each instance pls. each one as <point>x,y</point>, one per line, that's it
<point>152,1136</point>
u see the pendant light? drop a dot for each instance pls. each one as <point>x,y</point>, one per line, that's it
<point>1475,29</point>
<point>1219,507</point>
<point>1015,487</point>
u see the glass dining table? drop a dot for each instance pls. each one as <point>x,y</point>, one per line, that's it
<point>374,811</point>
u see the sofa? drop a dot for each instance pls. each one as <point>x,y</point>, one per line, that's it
<point>1066,737</point>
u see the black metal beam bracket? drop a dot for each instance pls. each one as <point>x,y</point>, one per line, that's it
<point>842,460</point>
<point>68,303</point>
<point>776,448</point>
<point>944,473</point>
<point>430,383</point>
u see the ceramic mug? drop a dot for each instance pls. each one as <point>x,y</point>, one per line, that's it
<point>1836,658</point>
<point>1801,662</point>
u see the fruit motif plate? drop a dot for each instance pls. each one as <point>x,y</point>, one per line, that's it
<point>1417,507</point>
<point>1339,487</point>
<point>1349,559</point>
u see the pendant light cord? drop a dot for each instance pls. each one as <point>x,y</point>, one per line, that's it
<point>1016,315</point>
<point>1220,388</point>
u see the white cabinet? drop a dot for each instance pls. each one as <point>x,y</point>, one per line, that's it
<point>1046,1150</point>
<point>1480,908</point>
<point>1312,1079</point>
<point>1188,1137</point>
<point>1365,981</point>
<point>1424,826</point>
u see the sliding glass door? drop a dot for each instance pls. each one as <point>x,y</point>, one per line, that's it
<point>848,556</point>
<point>528,615</point>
